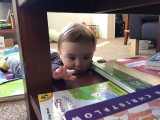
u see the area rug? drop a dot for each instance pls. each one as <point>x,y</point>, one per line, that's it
<point>11,85</point>
<point>9,76</point>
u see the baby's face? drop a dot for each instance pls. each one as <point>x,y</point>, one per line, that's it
<point>77,55</point>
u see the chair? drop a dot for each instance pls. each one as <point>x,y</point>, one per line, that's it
<point>119,26</point>
<point>142,27</point>
<point>126,29</point>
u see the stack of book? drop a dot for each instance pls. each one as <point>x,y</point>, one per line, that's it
<point>54,105</point>
<point>136,67</point>
<point>153,62</point>
<point>9,22</point>
<point>127,81</point>
<point>5,26</point>
<point>104,101</point>
<point>141,105</point>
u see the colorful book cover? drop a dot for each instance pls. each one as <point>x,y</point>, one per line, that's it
<point>11,85</point>
<point>124,80</point>
<point>54,105</point>
<point>138,63</point>
<point>153,62</point>
<point>9,76</point>
<point>141,105</point>
<point>12,90</point>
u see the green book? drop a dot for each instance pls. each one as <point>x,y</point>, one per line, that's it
<point>13,90</point>
<point>125,81</point>
<point>54,105</point>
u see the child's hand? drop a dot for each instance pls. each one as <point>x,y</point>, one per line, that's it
<point>63,73</point>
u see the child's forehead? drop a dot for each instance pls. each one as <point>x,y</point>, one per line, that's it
<point>81,44</point>
<point>77,48</point>
<point>77,42</point>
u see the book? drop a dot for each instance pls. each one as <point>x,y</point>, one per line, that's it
<point>122,79</point>
<point>5,26</point>
<point>54,105</point>
<point>12,90</point>
<point>153,62</point>
<point>140,105</point>
<point>136,67</point>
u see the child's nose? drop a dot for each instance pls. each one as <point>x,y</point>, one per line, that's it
<point>79,63</point>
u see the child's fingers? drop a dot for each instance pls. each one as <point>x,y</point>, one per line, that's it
<point>58,73</point>
<point>55,75</point>
<point>64,73</point>
<point>59,70</point>
<point>72,78</point>
<point>64,67</point>
<point>70,72</point>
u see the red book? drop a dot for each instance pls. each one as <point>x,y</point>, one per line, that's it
<point>136,67</point>
<point>138,63</point>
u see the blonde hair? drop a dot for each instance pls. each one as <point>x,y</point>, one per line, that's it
<point>76,32</point>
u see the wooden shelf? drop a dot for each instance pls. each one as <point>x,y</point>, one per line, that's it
<point>7,31</point>
<point>6,1</point>
<point>88,78</point>
<point>32,36</point>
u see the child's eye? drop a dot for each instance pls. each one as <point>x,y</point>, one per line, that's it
<point>72,58</point>
<point>86,58</point>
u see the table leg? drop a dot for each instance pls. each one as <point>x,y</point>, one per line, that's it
<point>126,31</point>
<point>158,38</point>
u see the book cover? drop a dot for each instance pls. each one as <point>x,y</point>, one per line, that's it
<point>54,105</point>
<point>5,26</point>
<point>138,63</point>
<point>140,105</point>
<point>153,62</point>
<point>13,90</point>
<point>124,80</point>
<point>136,67</point>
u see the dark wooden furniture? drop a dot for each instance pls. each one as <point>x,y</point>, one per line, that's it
<point>33,40</point>
<point>126,31</point>
<point>9,1</point>
<point>7,31</point>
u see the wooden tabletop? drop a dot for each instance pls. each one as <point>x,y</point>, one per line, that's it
<point>87,78</point>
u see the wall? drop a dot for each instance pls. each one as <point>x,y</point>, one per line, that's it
<point>59,20</point>
<point>4,7</point>
<point>106,22</point>
<point>101,20</point>
<point>111,26</point>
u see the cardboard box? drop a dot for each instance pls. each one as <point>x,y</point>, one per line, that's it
<point>9,42</point>
<point>143,44</point>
